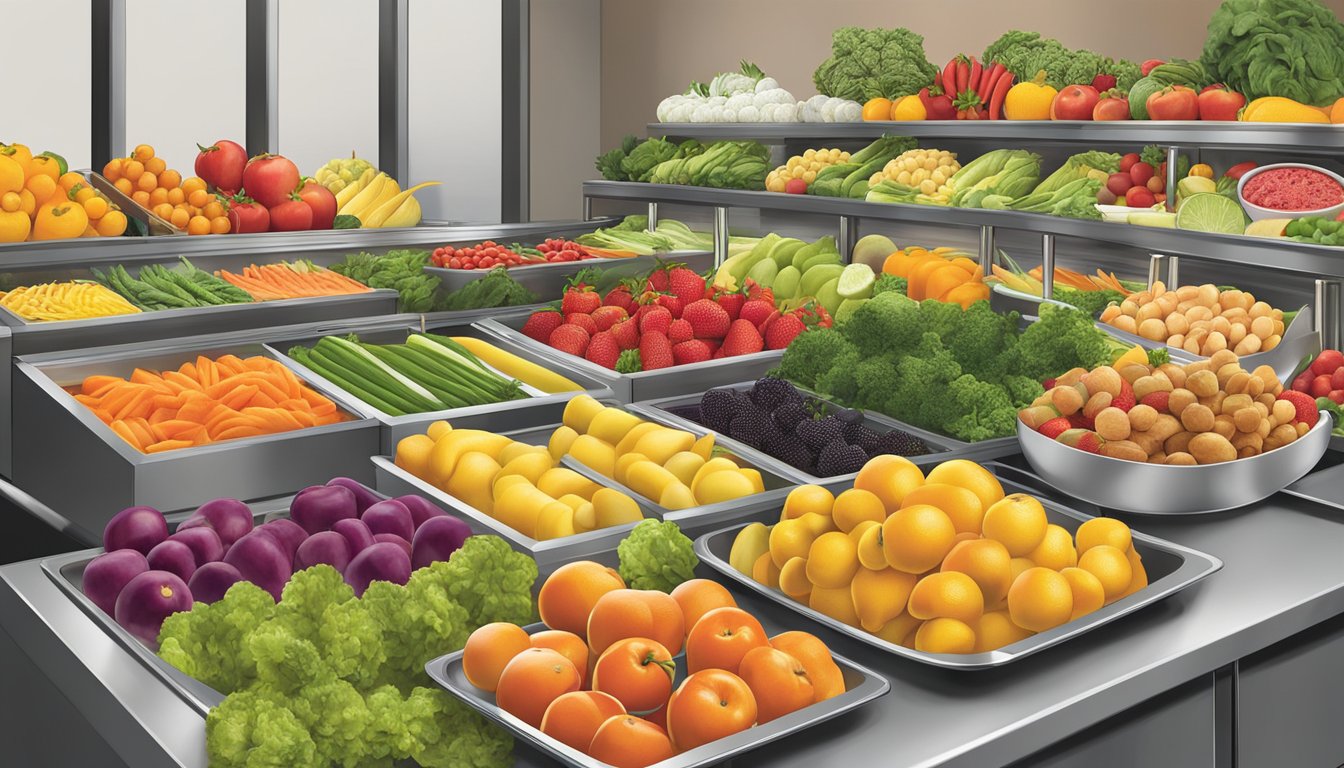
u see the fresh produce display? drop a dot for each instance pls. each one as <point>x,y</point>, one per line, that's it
<point>490,254</point>
<point>522,486</point>
<point>748,96</point>
<point>868,63</point>
<point>1293,189</point>
<point>1206,412</point>
<point>958,372</point>
<point>637,642</point>
<point>1135,181</point>
<point>402,270</point>
<point>721,165</point>
<point>1024,54</point>
<point>1200,319</point>
<point>291,280</point>
<point>155,287</point>
<point>851,178</point>
<point>427,373</point>
<point>942,274</point>
<point>1321,378</point>
<point>184,203</point>
<point>64,301</point>
<point>371,199</point>
<point>943,563</point>
<point>799,429</point>
<point>792,270</point>
<point>801,170</point>
<point>203,402</point>
<point>925,171</point>
<point>41,199</point>
<point>1285,48</point>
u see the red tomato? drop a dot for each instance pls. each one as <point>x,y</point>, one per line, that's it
<point>247,215</point>
<point>1128,161</point>
<point>221,165</point>
<point>1238,170</point>
<point>1075,102</point>
<point>291,215</point>
<point>1218,102</point>
<point>270,179</point>
<point>1175,102</point>
<point>1111,108</point>
<point>322,201</point>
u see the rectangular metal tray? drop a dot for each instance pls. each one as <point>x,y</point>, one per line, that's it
<point>1170,567</point>
<point>538,408</point>
<point>645,385</point>
<point>861,686</point>
<point>548,280</point>
<point>1324,486</point>
<point>666,409</point>
<point>58,436</point>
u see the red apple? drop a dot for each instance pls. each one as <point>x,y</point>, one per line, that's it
<point>1140,173</point>
<point>1119,183</point>
<point>1114,105</point>
<point>1327,362</point>
<point>1106,196</point>
<point>1320,386</point>
<point>1175,102</point>
<point>1074,102</point>
<point>1156,184</point>
<point>1218,102</point>
<point>1147,66</point>
<point>1128,161</point>
<point>1139,197</point>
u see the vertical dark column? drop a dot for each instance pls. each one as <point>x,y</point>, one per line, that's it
<point>108,85</point>
<point>394,89</point>
<point>515,138</point>
<point>261,51</point>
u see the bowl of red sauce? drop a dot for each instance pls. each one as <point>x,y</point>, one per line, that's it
<point>1293,190</point>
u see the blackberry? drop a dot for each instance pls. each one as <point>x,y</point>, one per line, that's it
<point>752,428</point>
<point>849,415</point>
<point>816,433</point>
<point>857,433</point>
<point>900,443</point>
<point>838,458</point>
<point>789,414</point>
<point>717,409</point>
<point>789,450</point>
<point>769,393</point>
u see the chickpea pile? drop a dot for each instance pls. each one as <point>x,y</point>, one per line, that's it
<point>1199,319</point>
<point>924,169</point>
<point>804,166</point>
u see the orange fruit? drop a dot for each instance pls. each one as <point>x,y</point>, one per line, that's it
<point>132,170</point>
<point>124,185</point>
<point>198,197</point>
<point>987,563</point>
<point>574,717</point>
<point>916,539</point>
<point>141,198</point>
<point>961,505</point>
<point>855,506</point>
<point>793,579</point>
<point>944,635</point>
<point>836,603</point>
<point>567,644</point>
<point>193,183</point>
<point>155,165</point>
<point>489,649</point>
<point>996,629</point>
<point>880,596</point>
<point>212,209</point>
<point>179,217</point>
<point>1103,530</point>
<point>70,179</point>
<point>700,596</point>
<point>890,478</point>
<point>95,207</point>
<point>778,681</point>
<point>143,152</point>
<point>169,178</point>
<point>721,638</point>
<point>877,109</point>
<point>532,680</point>
<point>112,171</point>
<point>163,211</point>
<point>832,561</point>
<point>111,224</point>
<point>626,741</point>
<point>43,187</point>
<point>198,225</point>
<point>638,672</point>
<point>1055,551</point>
<point>899,628</point>
<point>176,196</point>
<point>1040,599</point>
<point>765,571</point>
<point>157,196</point>
<point>1140,579</point>
<point>1018,522</point>
<point>707,706</point>
<point>568,595</point>
<point>1088,594</point>
<point>648,613</point>
<point>971,476</point>
<point>805,499</point>
<point>219,225</point>
<point>147,182</point>
<point>827,679</point>
<point>1111,567</point>
<point>950,595</point>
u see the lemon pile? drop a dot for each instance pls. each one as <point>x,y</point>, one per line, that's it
<point>942,564</point>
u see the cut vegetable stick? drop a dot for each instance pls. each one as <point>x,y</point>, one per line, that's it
<point>167,445</point>
<point>121,428</point>
<point>93,384</point>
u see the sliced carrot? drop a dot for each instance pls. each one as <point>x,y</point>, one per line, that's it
<point>122,429</point>
<point>240,396</point>
<point>144,435</point>
<point>237,432</point>
<point>296,405</point>
<point>206,373</point>
<point>161,415</point>
<point>167,445</point>
<point>197,436</point>
<point>259,363</point>
<point>177,427</point>
<point>102,415</point>
<point>189,370</point>
<point>168,401</point>
<point>106,388</point>
<point>196,409</point>
<point>303,418</point>
<point>118,400</point>
<point>140,405</point>
<point>92,384</point>
<point>181,380</point>
<point>141,376</point>
<point>88,401</point>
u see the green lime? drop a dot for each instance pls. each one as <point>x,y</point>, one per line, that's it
<point>1211,212</point>
<point>856,282</point>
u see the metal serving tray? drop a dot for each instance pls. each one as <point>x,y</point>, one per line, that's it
<point>538,408</point>
<point>548,280</point>
<point>676,411</point>
<point>645,385</point>
<point>58,436</point>
<point>1170,567</point>
<point>861,686</point>
<point>152,223</point>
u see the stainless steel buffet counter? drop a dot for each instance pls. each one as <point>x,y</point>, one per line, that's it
<point>1242,669</point>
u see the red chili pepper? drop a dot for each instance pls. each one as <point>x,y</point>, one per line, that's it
<point>1001,87</point>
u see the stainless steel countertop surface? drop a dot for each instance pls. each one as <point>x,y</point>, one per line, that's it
<point>1281,576</point>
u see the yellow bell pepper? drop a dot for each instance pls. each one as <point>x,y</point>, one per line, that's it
<point>1201,169</point>
<point>1029,100</point>
<point>1277,109</point>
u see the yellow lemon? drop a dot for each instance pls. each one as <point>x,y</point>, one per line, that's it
<point>789,539</point>
<point>1088,594</point>
<point>1040,599</point>
<point>987,563</point>
<point>750,543</point>
<point>961,505</point>
<point>1111,567</point>
<point>716,464</point>
<point>585,517</point>
<point>855,534</point>
<point>808,498</point>
<point>631,439</point>
<point>1018,522</point>
<point>949,594</point>
<point>704,447</point>
<point>1055,550</point>
<point>853,507</point>
<point>413,454</point>
<point>754,475</point>
<point>970,476</point>
<point>554,521</point>
<point>832,561</point>
<point>765,571</point>
<point>916,539</point>
<point>648,479</point>
<point>945,636</point>
<point>621,469</point>
<point>898,629</point>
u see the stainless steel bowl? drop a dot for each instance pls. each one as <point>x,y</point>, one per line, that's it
<point>1160,489</point>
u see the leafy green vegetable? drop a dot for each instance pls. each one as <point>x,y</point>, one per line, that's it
<point>1026,53</point>
<point>1080,166</point>
<point>629,362</point>
<point>888,282</point>
<point>867,63</point>
<point>1292,48</point>
<point>1091,302</point>
<point>609,163</point>
<point>656,555</point>
<point>722,165</point>
<point>1335,409</point>
<point>345,221</point>
<point>639,163</point>
<point>496,289</point>
<point>402,270</point>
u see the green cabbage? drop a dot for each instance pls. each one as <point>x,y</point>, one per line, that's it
<point>868,63</point>
<point>1292,48</point>
<point>1026,53</point>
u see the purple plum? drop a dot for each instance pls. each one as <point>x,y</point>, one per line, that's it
<point>138,528</point>
<point>318,507</point>
<point>356,532</point>
<point>174,557</point>
<point>365,497</point>
<point>211,581</point>
<point>389,516</point>
<point>421,509</point>
<point>392,538</point>
<point>204,543</point>
<point>437,539</point>
<point>147,600</point>
<point>286,533</point>
<point>261,560</point>
<point>384,561</point>
<point>108,573</point>
<point>231,519</point>
<point>327,547</point>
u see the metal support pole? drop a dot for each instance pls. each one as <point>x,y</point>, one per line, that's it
<point>1155,263</point>
<point>107,53</point>
<point>587,208</point>
<point>1173,272</point>
<point>262,78</point>
<point>1173,154</point>
<point>847,237</point>
<point>720,235</point>
<point>653,216</point>
<point>1329,310</point>
<point>1048,266</point>
<point>394,113</point>
<point>515,138</point>
<point>987,250</point>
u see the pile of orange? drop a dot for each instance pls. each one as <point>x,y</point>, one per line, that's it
<point>185,203</point>
<point>943,564</point>
<point>38,202</point>
<point>600,679</point>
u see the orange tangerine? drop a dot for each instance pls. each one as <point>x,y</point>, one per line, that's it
<point>1055,550</point>
<point>1103,530</point>
<point>945,636</point>
<point>1018,522</point>
<point>1111,567</point>
<point>970,476</point>
<point>890,478</point>
<point>1040,599</point>
<point>950,594</point>
<point>880,596</point>
<point>832,561</point>
<point>916,539</point>
<point>1088,594</point>
<point>987,563</point>
<point>855,506</point>
<point>805,499</point>
<point>996,629</point>
<point>961,505</point>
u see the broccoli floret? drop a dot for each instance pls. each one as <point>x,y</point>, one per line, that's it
<point>978,410</point>
<point>489,579</point>
<point>979,340</point>
<point>207,642</point>
<point>1062,339</point>
<point>656,555</point>
<point>1022,390</point>
<point>415,629</point>
<point>940,317</point>
<point>353,642</point>
<point>307,596</point>
<point>886,324</point>
<point>286,662</point>
<point>814,353</point>
<point>337,718</point>
<point>1158,356</point>
<point>1091,302</point>
<point>841,382</point>
<point>887,282</point>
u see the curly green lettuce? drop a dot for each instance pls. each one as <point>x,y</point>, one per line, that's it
<point>1292,48</point>
<point>656,555</point>
<point>207,642</point>
<point>867,63</point>
<point>1026,53</point>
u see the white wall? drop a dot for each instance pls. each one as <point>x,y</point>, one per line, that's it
<point>566,103</point>
<point>59,124</point>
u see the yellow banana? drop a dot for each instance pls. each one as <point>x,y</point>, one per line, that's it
<point>377,217</point>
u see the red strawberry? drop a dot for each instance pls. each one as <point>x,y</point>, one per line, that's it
<point>1305,404</point>
<point>656,319</point>
<point>742,339</point>
<point>813,313</point>
<point>713,346</point>
<point>685,284</point>
<point>569,338</point>
<point>671,304</point>
<point>782,331</point>
<point>658,279</point>
<point>1125,400</point>
<point>756,311</point>
<point>708,320</point>
<point>1320,386</point>
<point>1302,382</point>
<point>1337,378</point>
<point>620,296</point>
<point>580,299</point>
<point>1327,362</point>
<point>1082,421</point>
<point>607,315</point>
<point>1055,427</point>
<point>757,291</point>
<point>731,301</point>
<point>693,351</point>
<point>586,322</point>
<point>642,309</point>
<point>655,351</point>
<point>1049,384</point>
<point>603,350</point>
<point>680,330</point>
<point>626,334</point>
<point>1082,439</point>
<point>1158,401</point>
<point>540,324</point>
